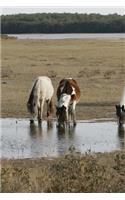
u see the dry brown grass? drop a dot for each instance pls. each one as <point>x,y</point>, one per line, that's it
<point>97,65</point>
<point>70,173</point>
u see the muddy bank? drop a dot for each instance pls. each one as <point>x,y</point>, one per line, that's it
<point>71,173</point>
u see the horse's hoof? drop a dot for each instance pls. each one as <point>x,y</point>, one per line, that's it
<point>74,124</point>
<point>31,121</point>
<point>120,125</point>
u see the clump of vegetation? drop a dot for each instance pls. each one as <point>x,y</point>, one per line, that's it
<point>108,74</point>
<point>52,74</point>
<point>86,73</point>
<point>71,173</point>
<point>5,36</point>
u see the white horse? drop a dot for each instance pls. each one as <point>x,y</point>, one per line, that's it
<point>41,91</point>
<point>120,109</point>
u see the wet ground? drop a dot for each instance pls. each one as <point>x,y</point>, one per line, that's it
<point>20,139</point>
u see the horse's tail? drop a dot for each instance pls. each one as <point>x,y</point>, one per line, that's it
<point>31,104</point>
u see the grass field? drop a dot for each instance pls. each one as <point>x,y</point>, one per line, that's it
<point>97,65</point>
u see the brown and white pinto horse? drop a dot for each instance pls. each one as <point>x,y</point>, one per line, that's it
<point>68,95</point>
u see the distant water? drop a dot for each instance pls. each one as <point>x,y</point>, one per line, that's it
<point>20,139</point>
<point>70,36</point>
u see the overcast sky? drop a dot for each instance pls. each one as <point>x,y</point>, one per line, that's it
<point>101,10</point>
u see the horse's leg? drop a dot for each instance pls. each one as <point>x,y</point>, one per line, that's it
<point>67,116</point>
<point>74,113</point>
<point>48,108</point>
<point>41,107</point>
<point>38,113</point>
<point>70,113</point>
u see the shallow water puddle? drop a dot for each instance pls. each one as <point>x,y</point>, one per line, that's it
<point>19,139</point>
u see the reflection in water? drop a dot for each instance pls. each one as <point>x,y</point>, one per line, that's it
<point>121,134</point>
<point>38,130</point>
<point>69,131</point>
<point>23,140</point>
<point>35,131</point>
<point>49,126</point>
<point>65,138</point>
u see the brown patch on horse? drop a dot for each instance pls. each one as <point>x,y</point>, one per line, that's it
<point>68,85</point>
<point>74,84</point>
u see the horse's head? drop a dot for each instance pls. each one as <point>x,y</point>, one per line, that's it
<point>61,114</point>
<point>120,112</point>
<point>62,108</point>
<point>31,106</point>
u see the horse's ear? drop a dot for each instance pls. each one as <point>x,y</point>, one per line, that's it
<point>116,106</point>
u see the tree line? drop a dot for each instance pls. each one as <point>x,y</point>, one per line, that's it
<point>62,23</point>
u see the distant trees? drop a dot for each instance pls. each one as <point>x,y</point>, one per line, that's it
<point>62,23</point>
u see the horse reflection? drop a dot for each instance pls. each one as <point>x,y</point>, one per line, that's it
<point>65,136</point>
<point>121,134</point>
<point>35,131</point>
<point>38,130</point>
<point>49,126</point>
<point>63,131</point>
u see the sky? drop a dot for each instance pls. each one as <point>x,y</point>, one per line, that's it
<point>61,6</point>
<point>61,9</point>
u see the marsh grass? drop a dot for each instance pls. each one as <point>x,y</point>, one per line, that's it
<point>71,173</point>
